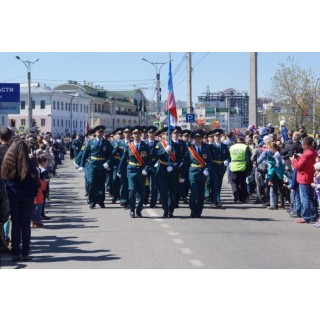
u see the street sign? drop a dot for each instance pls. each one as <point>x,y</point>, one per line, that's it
<point>9,98</point>
<point>190,117</point>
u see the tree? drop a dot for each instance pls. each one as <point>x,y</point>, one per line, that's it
<point>294,91</point>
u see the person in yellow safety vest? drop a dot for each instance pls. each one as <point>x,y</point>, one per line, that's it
<point>240,166</point>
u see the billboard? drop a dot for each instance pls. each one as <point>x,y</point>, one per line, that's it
<point>9,98</point>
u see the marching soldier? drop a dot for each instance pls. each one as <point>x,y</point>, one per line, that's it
<point>153,185</point>
<point>168,173</point>
<point>124,189</point>
<point>220,159</point>
<point>118,148</point>
<point>99,154</point>
<point>77,144</point>
<point>198,164</point>
<point>185,185</point>
<point>136,161</point>
<point>239,166</point>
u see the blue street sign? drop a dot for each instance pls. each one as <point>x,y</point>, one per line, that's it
<point>9,98</point>
<point>190,117</point>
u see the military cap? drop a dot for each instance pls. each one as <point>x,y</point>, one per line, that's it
<point>136,129</point>
<point>177,129</point>
<point>158,133</point>
<point>99,128</point>
<point>143,128</point>
<point>217,132</point>
<point>186,132</point>
<point>126,129</point>
<point>152,129</point>
<point>197,133</point>
<point>118,130</point>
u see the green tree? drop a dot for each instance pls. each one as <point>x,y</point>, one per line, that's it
<point>294,91</point>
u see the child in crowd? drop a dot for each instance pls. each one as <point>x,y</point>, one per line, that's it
<point>44,175</point>
<point>39,199</point>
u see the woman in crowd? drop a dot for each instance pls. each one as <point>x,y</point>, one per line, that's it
<point>20,176</point>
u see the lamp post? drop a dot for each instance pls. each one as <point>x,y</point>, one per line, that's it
<point>314,108</point>
<point>28,65</point>
<point>158,66</point>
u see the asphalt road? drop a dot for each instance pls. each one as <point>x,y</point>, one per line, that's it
<point>245,236</point>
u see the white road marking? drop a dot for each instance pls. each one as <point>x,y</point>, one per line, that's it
<point>196,263</point>
<point>177,241</point>
<point>172,233</point>
<point>164,225</point>
<point>186,250</point>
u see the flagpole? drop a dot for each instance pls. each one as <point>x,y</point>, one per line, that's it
<point>169,135</point>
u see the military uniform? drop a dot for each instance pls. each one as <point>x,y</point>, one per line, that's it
<point>198,172</point>
<point>153,184</point>
<point>136,172</point>
<point>118,148</point>
<point>220,158</point>
<point>76,146</point>
<point>98,152</point>
<point>168,180</point>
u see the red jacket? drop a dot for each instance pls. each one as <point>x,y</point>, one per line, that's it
<point>304,165</point>
<point>39,199</point>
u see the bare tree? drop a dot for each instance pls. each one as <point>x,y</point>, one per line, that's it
<point>293,91</point>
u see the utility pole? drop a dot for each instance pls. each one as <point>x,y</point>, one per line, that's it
<point>189,88</point>
<point>253,89</point>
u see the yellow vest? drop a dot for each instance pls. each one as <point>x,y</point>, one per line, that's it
<point>238,157</point>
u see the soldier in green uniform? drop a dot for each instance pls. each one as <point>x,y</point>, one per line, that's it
<point>184,183</point>
<point>124,188</point>
<point>99,154</point>
<point>168,172</point>
<point>220,159</point>
<point>197,165</point>
<point>77,144</point>
<point>118,147</point>
<point>153,185</point>
<point>136,161</point>
<point>90,135</point>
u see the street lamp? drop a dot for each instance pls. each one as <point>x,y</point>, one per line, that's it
<point>28,65</point>
<point>314,108</point>
<point>158,66</point>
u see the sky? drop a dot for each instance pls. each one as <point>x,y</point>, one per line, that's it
<point>126,70</point>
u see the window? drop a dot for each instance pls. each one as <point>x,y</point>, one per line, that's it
<point>23,105</point>
<point>33,104</point>
<point>54,104</point>
<point>58,122</point>
<point>80,107</point>
<point>42,104</point>
<point>61,105</point>
<point>61,122</point>
<point>58,105</point>
<point>43,122</point>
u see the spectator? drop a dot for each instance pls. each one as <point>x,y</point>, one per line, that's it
<point>20,174</point>
<point>305,171</point>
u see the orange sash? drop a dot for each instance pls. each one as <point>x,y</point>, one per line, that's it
<point>136,153</point>
<point>196,156</point>
<point>172,155</point>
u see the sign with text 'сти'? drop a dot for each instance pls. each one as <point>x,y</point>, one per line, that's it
<point>9,98</point>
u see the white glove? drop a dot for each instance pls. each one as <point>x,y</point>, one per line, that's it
<point>156,165</point>
<point>106,165</point>
<point>80,169</point>
<point>169,169</point>
<point>168,148</point>
<point>75,165</point>
<point>206,172</point>
<point>181,180</point>
<point>119,175</point>
<point>144,172</point>
<point>225,162</point>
